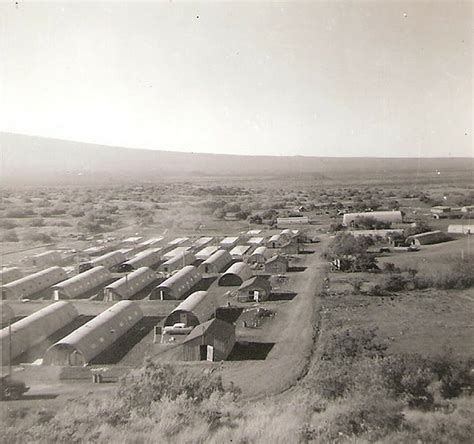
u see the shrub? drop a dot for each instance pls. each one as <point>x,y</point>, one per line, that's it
<point>10,236</point>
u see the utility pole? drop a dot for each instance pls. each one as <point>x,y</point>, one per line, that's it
<point>10,347</point>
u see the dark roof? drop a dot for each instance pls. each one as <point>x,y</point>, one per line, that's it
<point>256,281</point>
<point>214,326</point>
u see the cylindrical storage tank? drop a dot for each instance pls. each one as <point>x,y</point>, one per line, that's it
<point>235,275</point>
<point>35,328</point>
<point>10,274</point>
<point>88,341</point>
<point>183,313</point>
<point>129,285</point>
<point>34,283</point>
<point>81,283</point>
<point>7,313</point>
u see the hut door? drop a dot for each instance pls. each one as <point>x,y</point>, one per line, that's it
<point>256,296</point>
<point>210,353</point>
<point>203,352</point>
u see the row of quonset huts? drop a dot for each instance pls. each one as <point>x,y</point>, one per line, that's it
<point>85,343</point>
<point>96,276</point>
<point>88,341</point>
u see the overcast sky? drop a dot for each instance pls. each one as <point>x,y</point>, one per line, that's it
<point>322,78</point>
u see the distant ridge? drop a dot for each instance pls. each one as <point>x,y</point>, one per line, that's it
<point>35,157</point>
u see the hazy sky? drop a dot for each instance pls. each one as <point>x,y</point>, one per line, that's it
<point>321,78</point>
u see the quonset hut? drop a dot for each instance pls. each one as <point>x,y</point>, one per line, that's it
<point>185,312</point>
<point>111,261</point>
<point>10,274</point>
<point>235,275</point>
<point>88,341</point>
<point>217,262</point>
<point>259,256</point>
<point>33,284</point>
<point>178,284</point>
<point>147,258</point>
<point>392,217</point>
<point>177,262</point>
<point>256,288</point>
<point>7,314</point>
<point>35,328</point>
<point>129,285</point>
<point>84,284</point>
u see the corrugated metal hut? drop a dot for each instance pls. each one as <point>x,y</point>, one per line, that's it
<point>46,259</point>
<point>256,289</point>
<point>217,262</point>
<point>128,286</point>
<point>111,261</point>
<point>147,258</point>
<point>256,241</point>
<point>178,251</point>
<point>35,328</point>
<point>239,251</point>
<point>393,217</point>
<point>431,237</point>
<point>178,241</point>
<point>178,284</point>
<point>7,313</point>
<point>461,229</point>
<point>10,274</point>
<point>206,252</point>
<point>276,264</point>
<point>276,241</point>
<point>154,241</point>
<point>82,284</point>
<point>235,275</point>
<point>213,341</point>
<point>34,283</point>
<point>229,242</point>
<point>88,341</point>
<point>290,248</point>
<point>202,242</point>
<point>177,262</point>
<point>259,256</point>
<point>186,311</point>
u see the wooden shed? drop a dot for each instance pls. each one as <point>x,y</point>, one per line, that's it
<point>212,341</point>
<point>276,264</point>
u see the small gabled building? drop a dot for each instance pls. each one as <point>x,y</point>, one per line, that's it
<point>276,265</point>
<point>210,341</point>
<point>290,248</point>
<point>255,289</point>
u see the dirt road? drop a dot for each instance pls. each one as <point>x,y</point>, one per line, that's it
<point>292,333</point>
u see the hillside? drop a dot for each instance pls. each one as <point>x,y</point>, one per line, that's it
<point>34,158</point>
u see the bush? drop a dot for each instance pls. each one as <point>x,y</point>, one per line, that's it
<point>10,236</point>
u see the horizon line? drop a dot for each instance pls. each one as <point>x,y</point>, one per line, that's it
<point>233,154</point>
